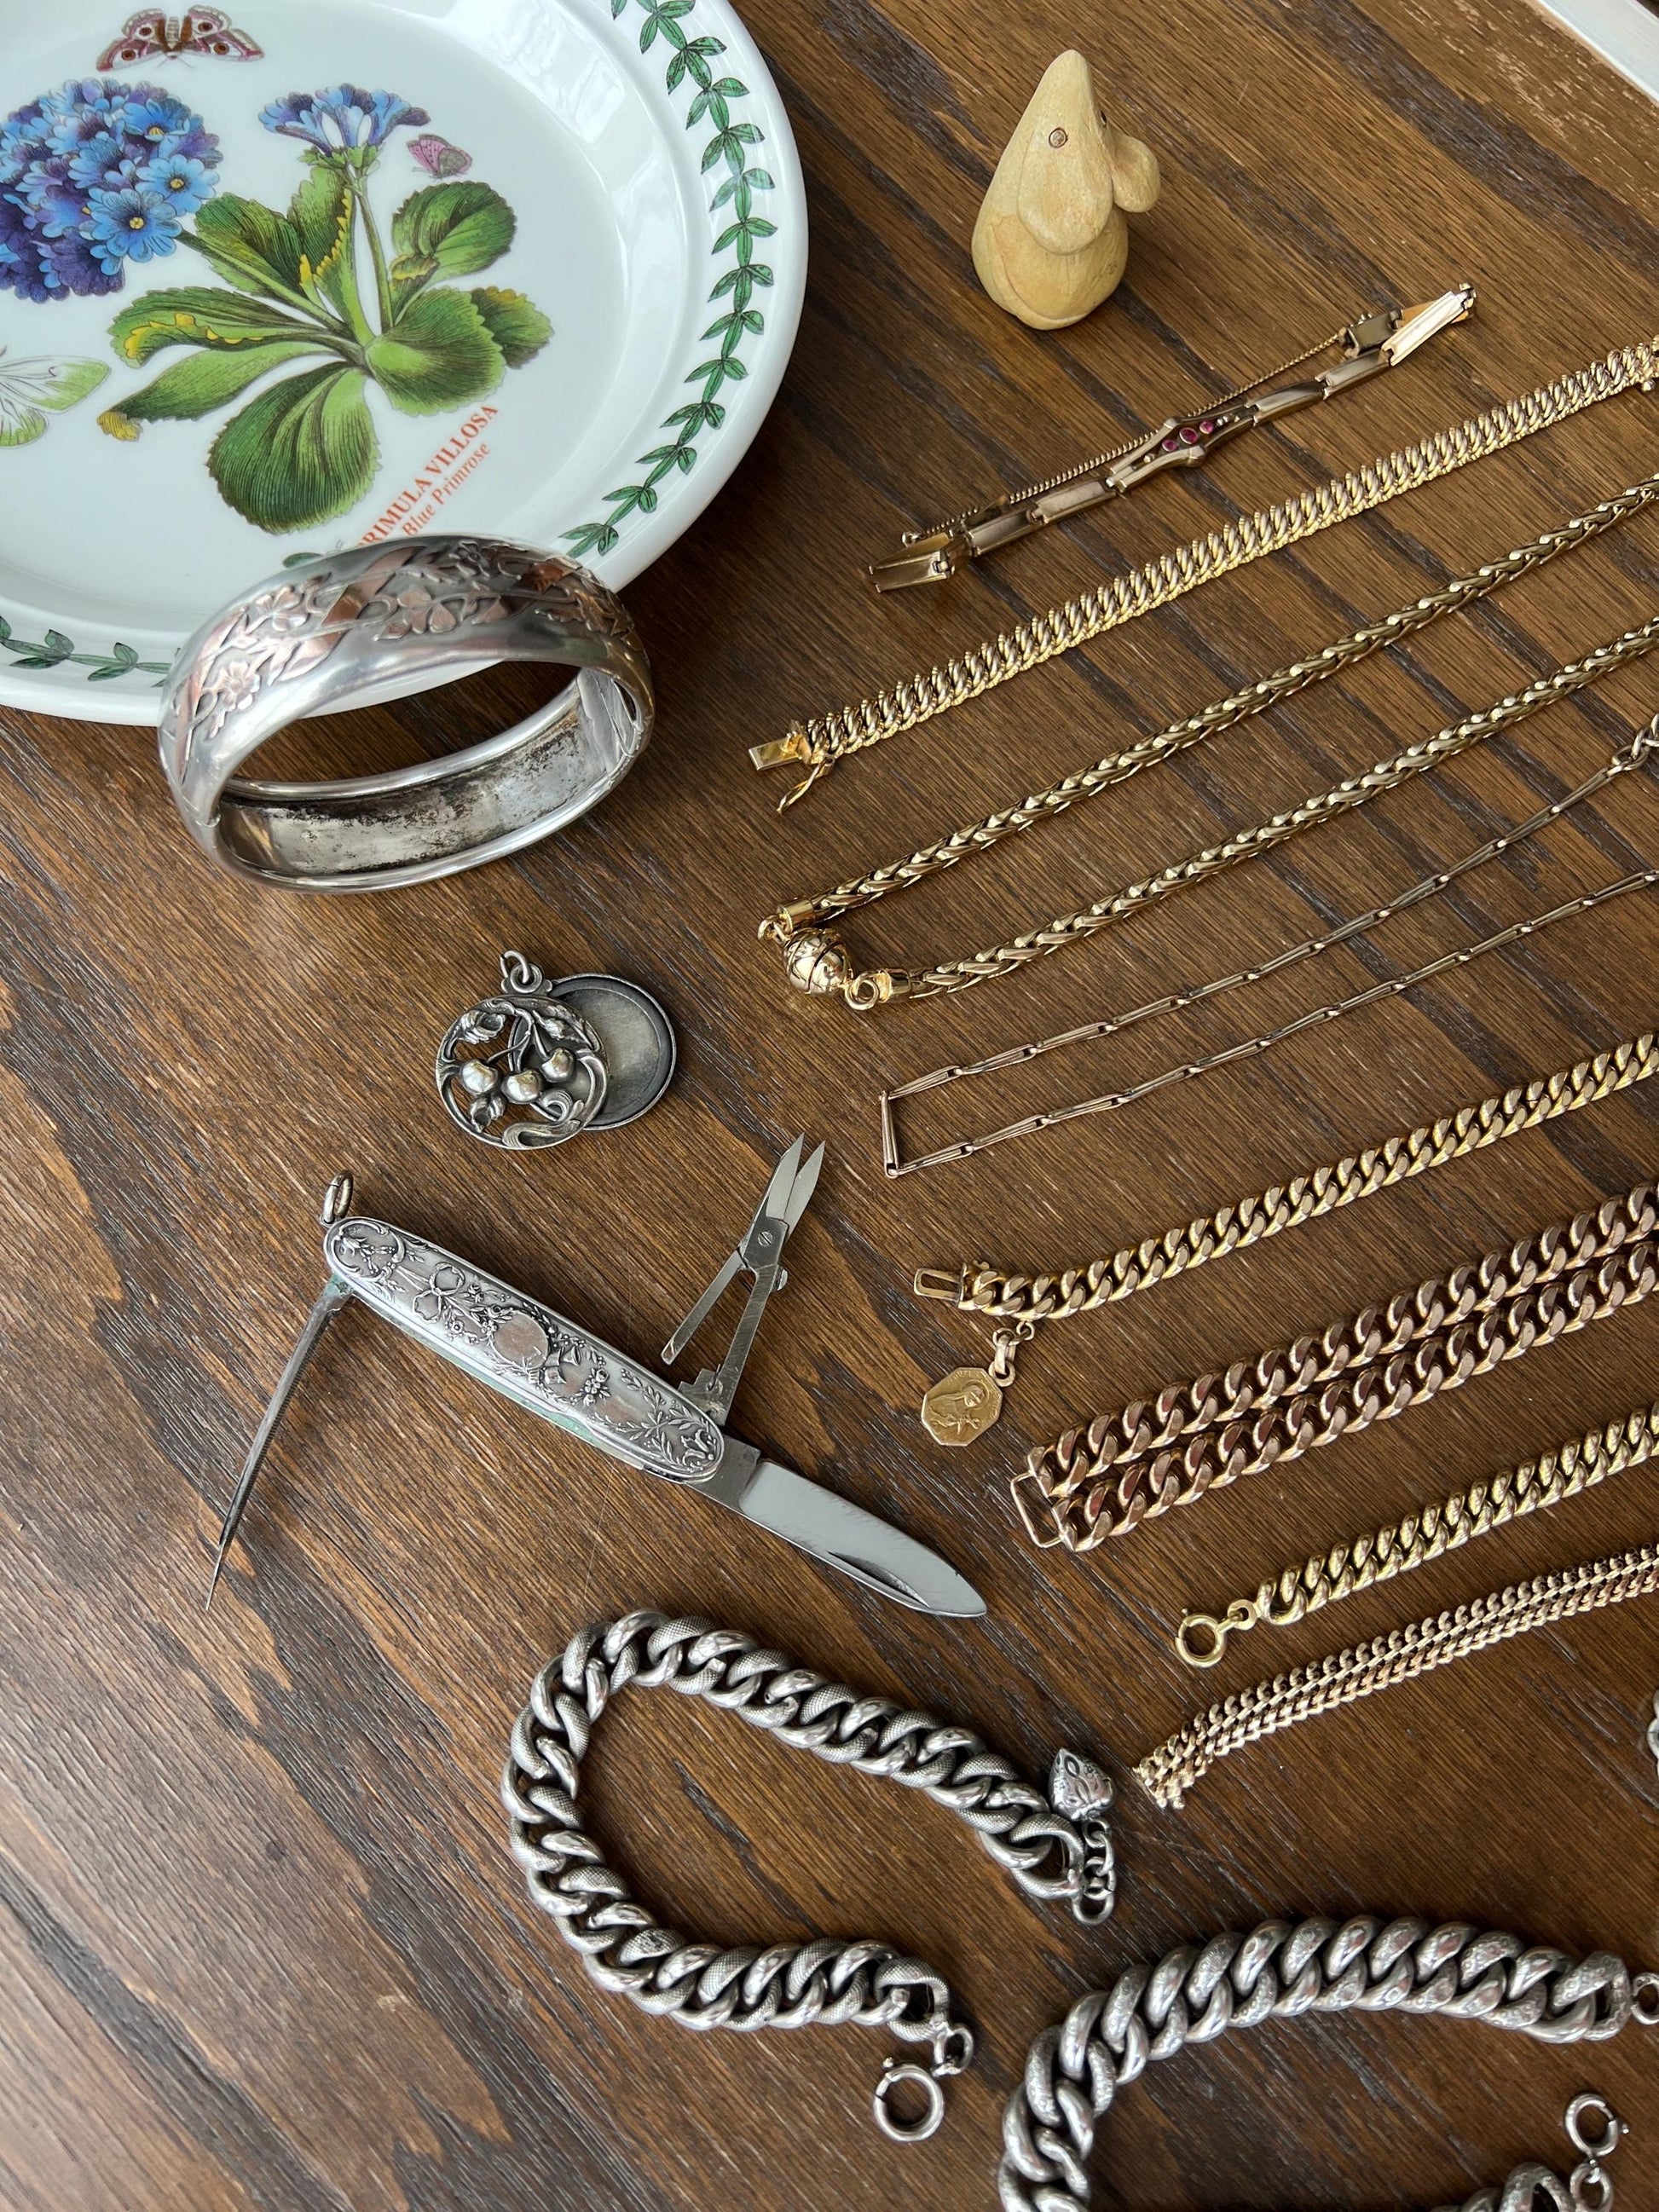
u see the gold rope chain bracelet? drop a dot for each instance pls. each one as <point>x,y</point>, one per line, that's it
<point>1326,1577</point>
<point>967,1401</point>
<point>816,959</point>
<point>819,742</point>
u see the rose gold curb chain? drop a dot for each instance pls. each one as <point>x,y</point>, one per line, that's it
<point>1103,1482</point>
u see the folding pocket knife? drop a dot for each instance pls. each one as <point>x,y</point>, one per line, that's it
<point>557,1370</point>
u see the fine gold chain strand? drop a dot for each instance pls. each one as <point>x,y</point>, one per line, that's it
<point>821,740</point>
<point>1640,750</point>
<point>793,921</point>
<point>1236,1228</point>
<point>1327,1577</point>
<point>1168,1773</point>
<point>1110,1102</point>
<point>875,986</point>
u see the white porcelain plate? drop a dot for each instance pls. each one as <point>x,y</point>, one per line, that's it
<point>279,278</point>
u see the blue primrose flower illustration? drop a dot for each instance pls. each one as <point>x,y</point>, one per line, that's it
<point>318,291</point>
<point>135,223</point>
<point>184,183</point>
<point>343,119</point>
<point>93,176</point>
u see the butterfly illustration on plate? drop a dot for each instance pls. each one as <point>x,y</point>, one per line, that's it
<point>439,158</point>
<point>32,391</point>
<point>152,35</point>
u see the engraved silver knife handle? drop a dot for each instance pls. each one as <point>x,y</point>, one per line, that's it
<point>524,1349</point>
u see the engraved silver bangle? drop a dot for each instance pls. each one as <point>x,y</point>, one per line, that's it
<point>347,626</point>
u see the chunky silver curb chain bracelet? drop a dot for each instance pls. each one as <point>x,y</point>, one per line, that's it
<point>1054,1846</point>
<point>1194,1993</point>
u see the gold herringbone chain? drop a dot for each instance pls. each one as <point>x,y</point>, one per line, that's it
<point>821,741</point>
<point>1169,1771</point>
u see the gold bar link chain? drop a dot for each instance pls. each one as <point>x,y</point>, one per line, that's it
<point>1096,462</point>
<point>821,740</point>
<point>1168,1773</point>
<point>1112,1102</point>
<point>816,958</point>
<point>1327,1577</point>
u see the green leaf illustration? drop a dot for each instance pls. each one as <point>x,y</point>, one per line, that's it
<point>519,328</point>
<point>197,385</point>
<point>32,391</point>
<point>198,316</point>
<point>300,453</point>
<point>437,353</point>
<point>320,215</point>
<point>448,230</point>
<point>251,246</point>
<point>712,100</point>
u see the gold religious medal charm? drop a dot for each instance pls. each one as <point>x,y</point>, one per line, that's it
<point>964,1404</point>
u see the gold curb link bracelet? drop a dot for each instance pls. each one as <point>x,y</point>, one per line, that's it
<point>1022,1301</point>
<point>1326,1577</point>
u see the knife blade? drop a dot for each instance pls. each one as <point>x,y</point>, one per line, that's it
<point>842,1535</point>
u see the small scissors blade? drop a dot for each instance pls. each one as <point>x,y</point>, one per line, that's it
<point>805,1182</point>
<point>699,1312</point>
<point>760,1251</point>
<point>773,1211</point>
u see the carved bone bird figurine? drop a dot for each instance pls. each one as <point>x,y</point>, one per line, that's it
<point>1052,240</point>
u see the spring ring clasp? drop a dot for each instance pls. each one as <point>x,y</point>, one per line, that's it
<point>1202,1638</point>
<point>1589,2184</point>
<point>953,2049</point>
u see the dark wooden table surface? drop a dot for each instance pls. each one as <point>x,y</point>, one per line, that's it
<point>263,1944</point>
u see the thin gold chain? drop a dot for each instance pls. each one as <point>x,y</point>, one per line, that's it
<point>1248,844</point>
<point>1252,1221</point>
<point>821,740</point>
<point>817,959</point>
<point>1327,1577</point>
<point>1170,1772</point>
<point>1112,1102</point>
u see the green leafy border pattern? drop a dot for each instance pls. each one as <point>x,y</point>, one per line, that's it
<point>57,651</point>
<point>737,285</point>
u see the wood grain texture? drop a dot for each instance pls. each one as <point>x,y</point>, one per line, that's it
<point>262,1945</point>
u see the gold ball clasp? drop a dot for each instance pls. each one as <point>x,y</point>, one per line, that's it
<point>816,963</point>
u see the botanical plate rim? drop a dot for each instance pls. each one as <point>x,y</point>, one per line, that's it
<point>54,692</point>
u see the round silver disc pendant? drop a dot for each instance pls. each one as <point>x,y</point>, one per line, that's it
<point>636,1038</point>
<point>538,1062</point>
<point>521,1069</point>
